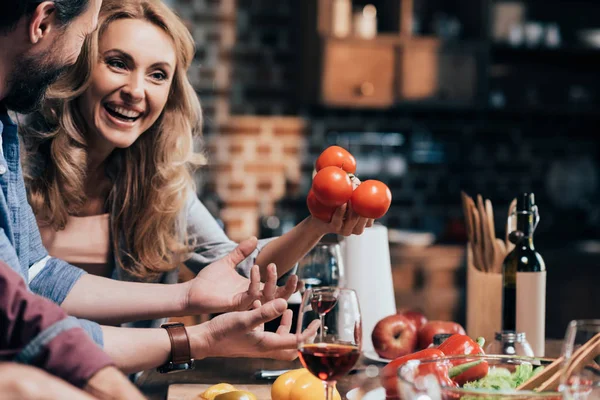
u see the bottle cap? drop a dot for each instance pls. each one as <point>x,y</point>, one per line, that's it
<point>510,336</point>
<point>526,202</point>
<point>439,338</point>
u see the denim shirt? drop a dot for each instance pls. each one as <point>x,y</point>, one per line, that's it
<point>20,243</point>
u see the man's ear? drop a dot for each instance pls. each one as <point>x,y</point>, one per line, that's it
<point>42,21</point>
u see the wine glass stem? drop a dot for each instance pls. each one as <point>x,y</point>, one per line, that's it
<point>329,389</point>
<point>322,328</point>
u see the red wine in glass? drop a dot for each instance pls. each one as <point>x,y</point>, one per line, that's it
<point>328,361</point>
<point>322,303</point>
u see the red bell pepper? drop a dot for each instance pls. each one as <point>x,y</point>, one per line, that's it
<point>389,374</point>
<point>458,345</point>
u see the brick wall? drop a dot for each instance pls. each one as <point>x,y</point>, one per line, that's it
<point>253,159</point>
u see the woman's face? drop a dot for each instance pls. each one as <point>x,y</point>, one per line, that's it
<point>129,85</point>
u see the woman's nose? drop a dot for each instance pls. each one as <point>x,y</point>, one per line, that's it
<point>134,90</point>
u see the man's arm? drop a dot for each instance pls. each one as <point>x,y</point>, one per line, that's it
<point>234,334</point>
<point>37,332</point>
<point>23,382</point>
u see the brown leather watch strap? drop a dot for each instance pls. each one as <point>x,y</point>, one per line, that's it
<point>180,343</point>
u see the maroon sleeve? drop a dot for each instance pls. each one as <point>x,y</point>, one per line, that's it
<point>35,331</point>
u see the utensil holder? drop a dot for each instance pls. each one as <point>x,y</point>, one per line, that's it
<point>484,301</point>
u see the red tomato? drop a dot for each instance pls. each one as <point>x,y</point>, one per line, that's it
<point>371,199</point>
<point>332,186</point>
<point>318,209</point>
<point>336,156</point>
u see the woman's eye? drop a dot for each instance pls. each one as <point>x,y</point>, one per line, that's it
<point>117,64</point>
<point>159,76</point>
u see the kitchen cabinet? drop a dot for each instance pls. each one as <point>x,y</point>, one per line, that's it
<point>393,67</point>
<point>357,73</point>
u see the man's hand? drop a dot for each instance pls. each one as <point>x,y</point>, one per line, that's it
<point>23,382</point>
<point>241,334</point>
<point>110,383</point>
<point>219,288</point>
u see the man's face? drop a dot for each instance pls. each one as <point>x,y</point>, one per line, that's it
<point>36,69</point>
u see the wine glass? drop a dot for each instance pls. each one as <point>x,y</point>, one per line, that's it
<point>333,353</point>
<point>322,266</point>
<point>582,382</point>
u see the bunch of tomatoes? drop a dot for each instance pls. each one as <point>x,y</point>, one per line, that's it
<point>335,184</point>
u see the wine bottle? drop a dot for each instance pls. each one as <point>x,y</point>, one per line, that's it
<point>524,279</point>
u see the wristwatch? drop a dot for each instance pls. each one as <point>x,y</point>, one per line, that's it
<point>181,358</point>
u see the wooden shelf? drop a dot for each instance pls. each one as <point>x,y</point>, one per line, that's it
<point>544,54</point>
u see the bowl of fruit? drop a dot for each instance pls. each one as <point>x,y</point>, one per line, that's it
<point>469,377</point>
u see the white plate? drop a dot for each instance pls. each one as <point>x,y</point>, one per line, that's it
<point>375,394</point>
<point>373,356</point>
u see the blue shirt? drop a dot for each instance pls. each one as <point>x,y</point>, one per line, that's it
<point>20,243</point>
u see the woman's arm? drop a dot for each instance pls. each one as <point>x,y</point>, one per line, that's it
<point>211,243</point>
<point>286,250</point>
<point>217,288</point>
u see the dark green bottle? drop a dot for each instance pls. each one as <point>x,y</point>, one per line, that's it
<point>524,279</point>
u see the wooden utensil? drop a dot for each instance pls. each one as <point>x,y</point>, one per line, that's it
<point>478,254</point>
<point>511,209</point>
<point>468,219</point>
<point>545,374</point>
<point>472,217</point>
<point>500,255</point>
<point>486,243</point>
<point>498,251</point>
<point>550,380</point>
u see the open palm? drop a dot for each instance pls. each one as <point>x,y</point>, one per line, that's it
<point>219,287</point>
<point>241,334</point>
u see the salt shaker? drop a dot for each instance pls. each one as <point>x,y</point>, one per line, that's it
<point>510,343</point>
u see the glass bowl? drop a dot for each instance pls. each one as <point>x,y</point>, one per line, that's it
<point>427,387</point>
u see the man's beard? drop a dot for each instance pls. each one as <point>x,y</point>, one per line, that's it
<point>28,83</point>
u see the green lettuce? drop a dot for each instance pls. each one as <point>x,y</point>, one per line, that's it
<point>502,379</point>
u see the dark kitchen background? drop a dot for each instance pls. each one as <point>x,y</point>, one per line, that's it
<point>490,97</point>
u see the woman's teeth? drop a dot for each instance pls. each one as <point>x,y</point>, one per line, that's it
<point>122,113</point>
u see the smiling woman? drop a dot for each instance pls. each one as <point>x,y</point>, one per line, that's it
<point>111,156</point>
<point>119,142</point>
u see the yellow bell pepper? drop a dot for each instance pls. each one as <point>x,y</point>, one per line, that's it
<point>299,384</point>
<point>215,390</point>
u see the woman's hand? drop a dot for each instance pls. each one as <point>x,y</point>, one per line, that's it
<point>241,334</point>
<point>219,287</point>
<point>344,222</point>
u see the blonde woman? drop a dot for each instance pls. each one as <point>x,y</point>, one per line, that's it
<point>111,157</point>
<point>45,36</point>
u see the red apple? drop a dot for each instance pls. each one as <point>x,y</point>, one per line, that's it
<point>415,317</point>
<point>432,328</point>
<point>394,336</point>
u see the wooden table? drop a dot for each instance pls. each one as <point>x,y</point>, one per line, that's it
<point>241,371</point>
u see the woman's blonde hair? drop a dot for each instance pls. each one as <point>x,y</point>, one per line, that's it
<point>150,179</point>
